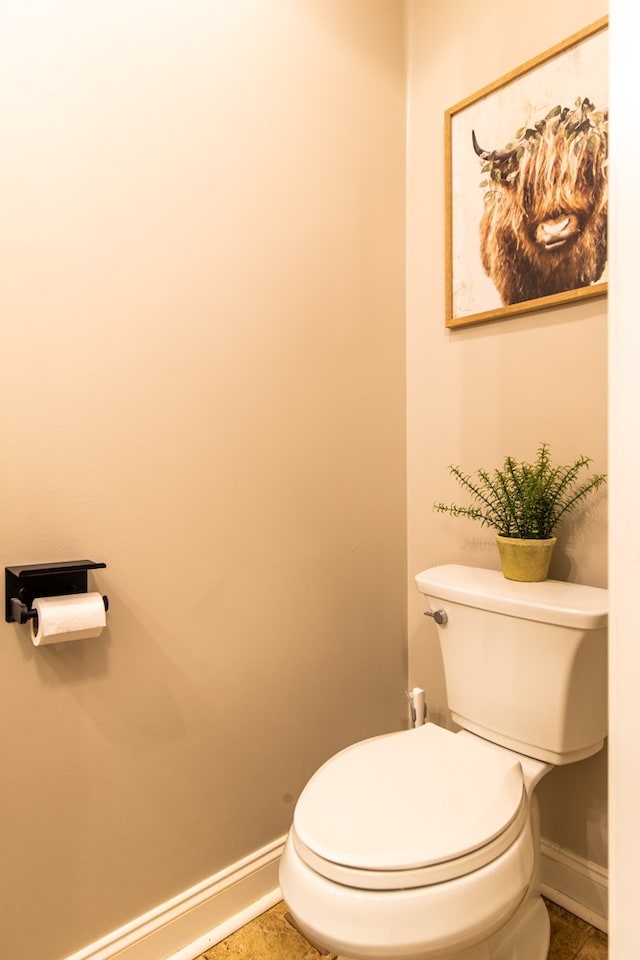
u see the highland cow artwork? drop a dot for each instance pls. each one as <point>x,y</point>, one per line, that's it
<point>527,186</point>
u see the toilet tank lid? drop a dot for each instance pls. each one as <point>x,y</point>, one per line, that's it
<point>550,601</point>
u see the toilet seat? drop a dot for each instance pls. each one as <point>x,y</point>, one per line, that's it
<point>410,809</point>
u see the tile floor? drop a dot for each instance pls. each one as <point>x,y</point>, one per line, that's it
<point>271,937</point>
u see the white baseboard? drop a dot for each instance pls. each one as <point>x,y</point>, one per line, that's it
<point>576,884</point>
<point>199,917</point>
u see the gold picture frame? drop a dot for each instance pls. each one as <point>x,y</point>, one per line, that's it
<point>514,152</point>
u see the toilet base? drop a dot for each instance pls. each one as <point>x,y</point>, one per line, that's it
<point>525,937</point>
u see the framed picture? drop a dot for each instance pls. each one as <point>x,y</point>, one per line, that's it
<point>526,185</point>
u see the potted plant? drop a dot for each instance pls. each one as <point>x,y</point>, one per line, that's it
<point>524,503</point>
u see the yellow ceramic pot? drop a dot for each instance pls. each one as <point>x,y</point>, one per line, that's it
<point>525,560</point>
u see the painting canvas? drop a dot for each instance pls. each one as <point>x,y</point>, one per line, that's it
<point>526,178</point>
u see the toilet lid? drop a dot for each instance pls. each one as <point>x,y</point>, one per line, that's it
<point>410,808</point>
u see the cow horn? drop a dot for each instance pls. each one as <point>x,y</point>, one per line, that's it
<point>476,146</point>
<point>493,155</point>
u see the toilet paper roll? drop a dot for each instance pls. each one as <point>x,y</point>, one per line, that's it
<point>79,616</point>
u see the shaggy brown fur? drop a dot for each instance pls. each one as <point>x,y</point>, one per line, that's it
<point>544,227</point>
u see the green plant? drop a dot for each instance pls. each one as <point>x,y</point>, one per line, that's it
<point>524,500</point>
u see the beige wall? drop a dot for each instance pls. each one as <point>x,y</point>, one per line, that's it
<point>202,247</point>
<point>478,393</point>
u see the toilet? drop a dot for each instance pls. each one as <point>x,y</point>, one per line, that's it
<point>424,843</point>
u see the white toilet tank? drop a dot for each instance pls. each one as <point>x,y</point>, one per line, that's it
<point>525,663</point>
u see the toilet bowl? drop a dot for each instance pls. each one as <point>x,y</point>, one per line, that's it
<point>424,844</point>
<point>453,864</point>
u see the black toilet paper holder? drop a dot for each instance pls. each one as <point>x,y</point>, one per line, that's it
<point>23,584</point>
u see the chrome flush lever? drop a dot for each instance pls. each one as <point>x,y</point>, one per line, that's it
<point>440,616</point>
